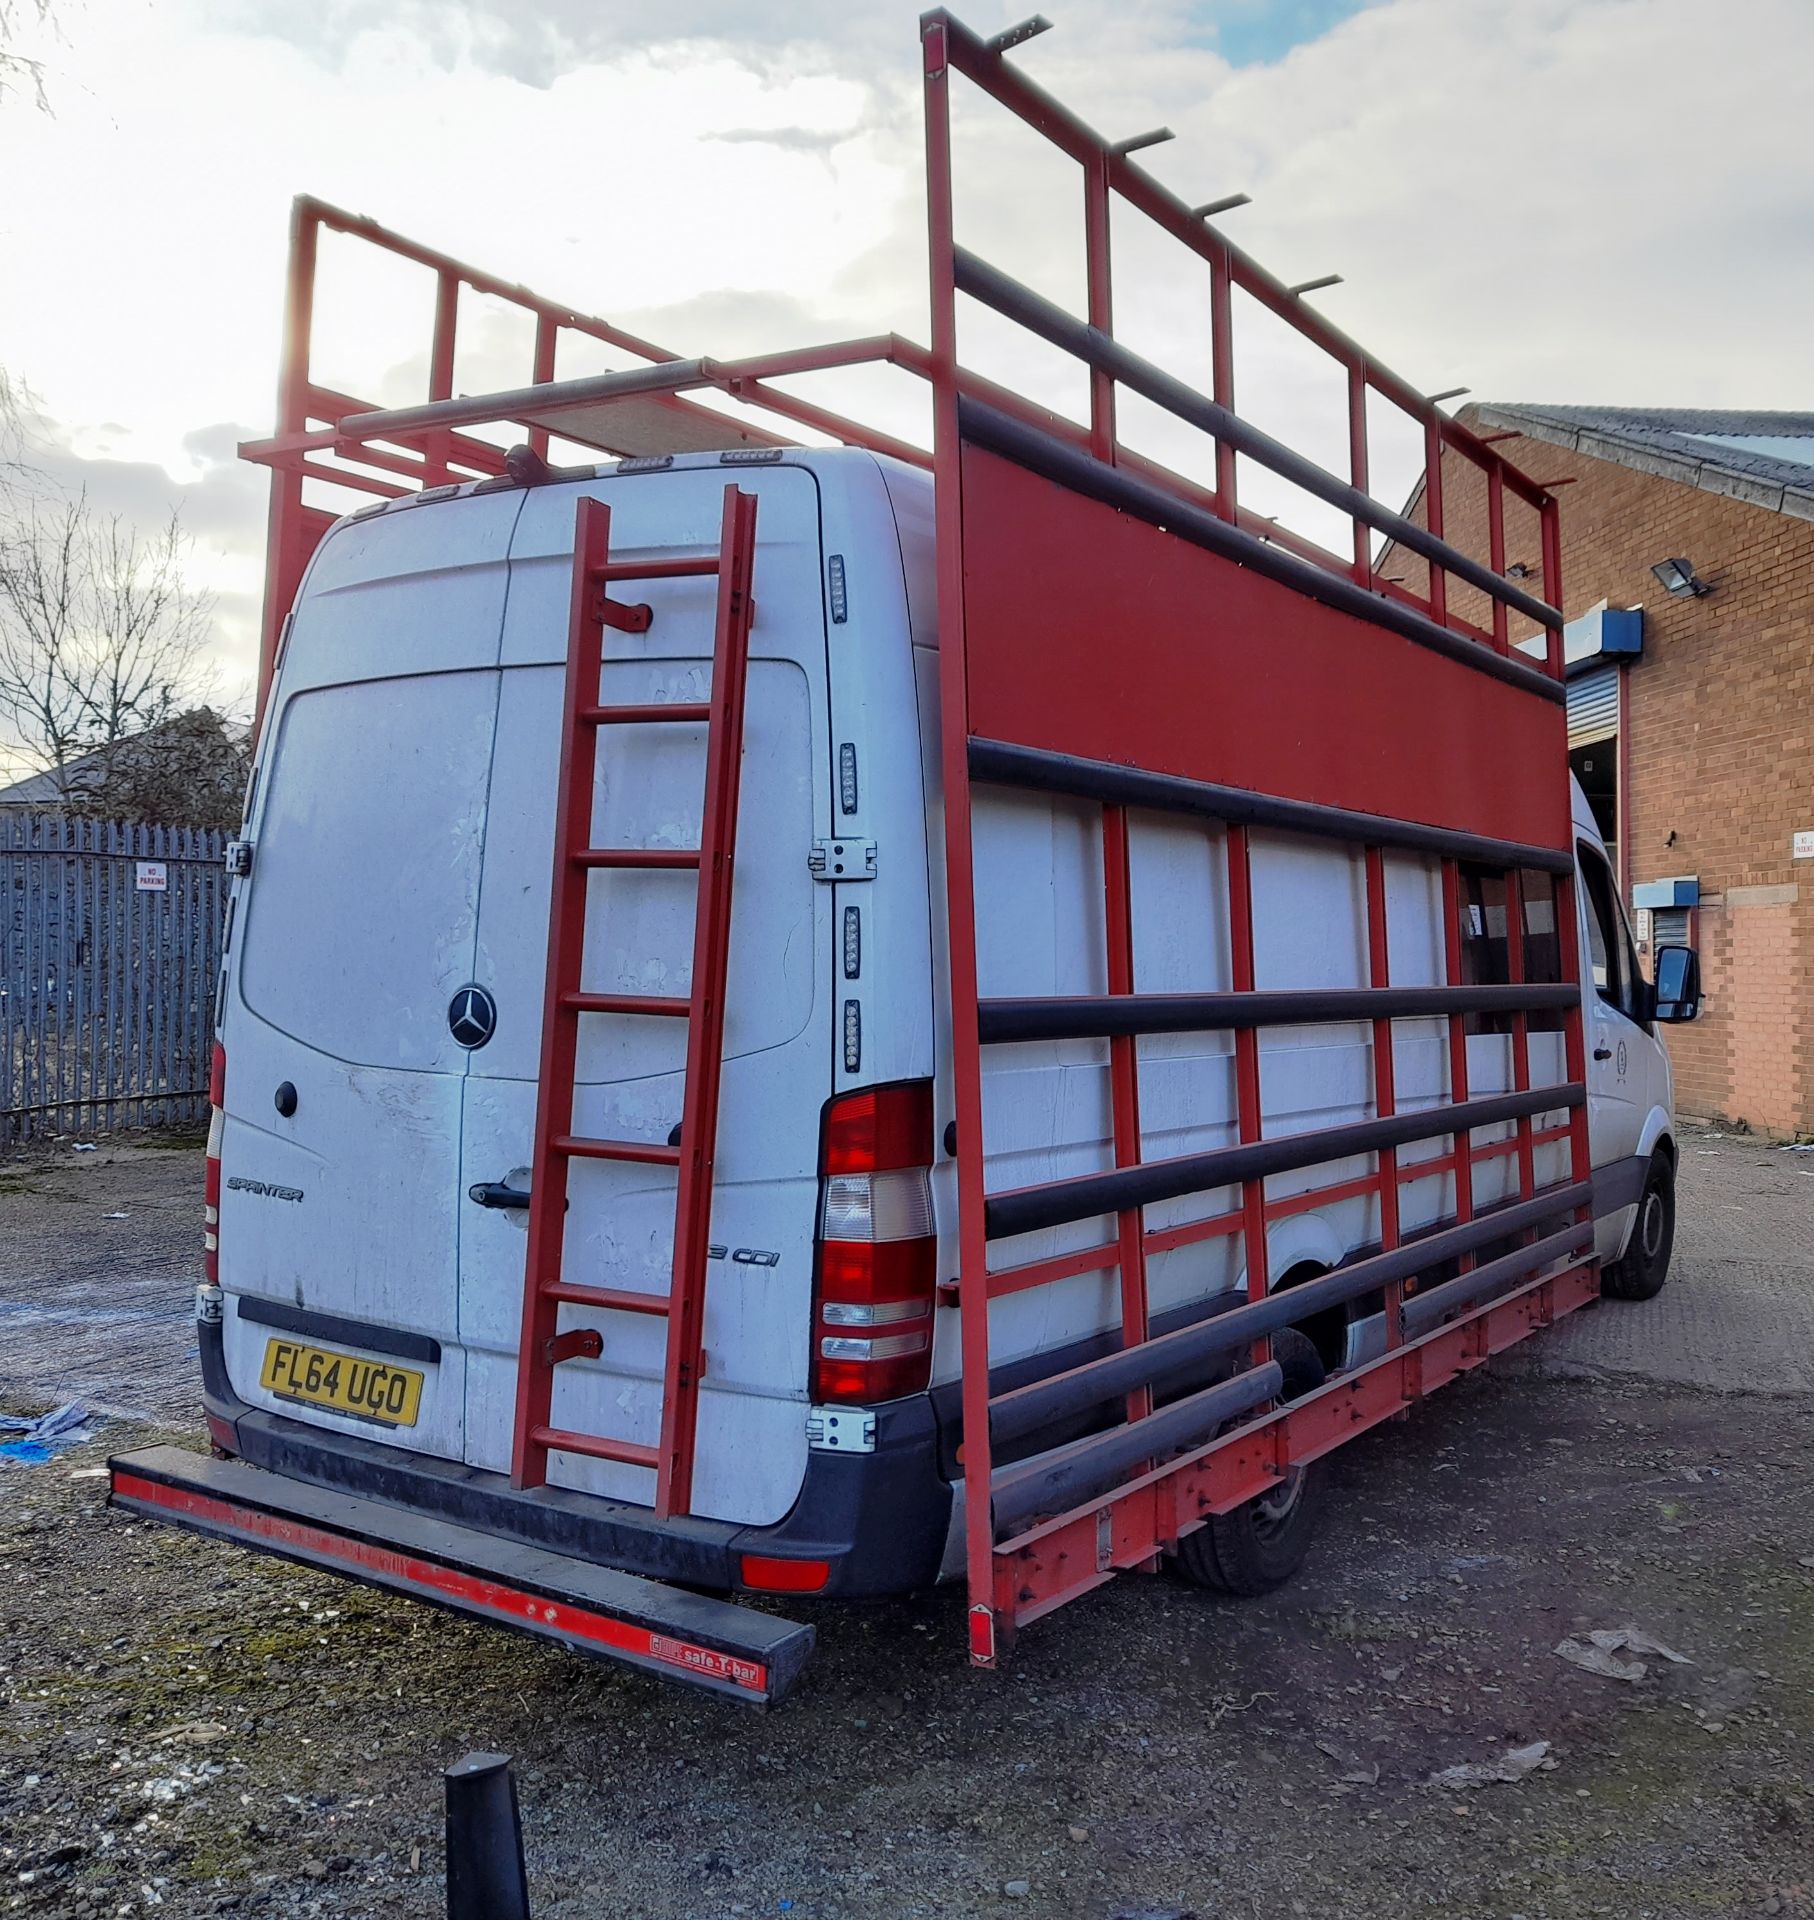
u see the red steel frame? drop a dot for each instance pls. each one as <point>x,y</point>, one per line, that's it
<point>567,1001</point>
<point>324,436</point>
<point>318,436</point>
<point>1015,1580</point>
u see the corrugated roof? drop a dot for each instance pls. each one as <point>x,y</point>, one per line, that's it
<point>1765,458</point>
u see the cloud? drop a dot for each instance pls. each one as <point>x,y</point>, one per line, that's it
<point>1509,211</point>
<point>791,139</point>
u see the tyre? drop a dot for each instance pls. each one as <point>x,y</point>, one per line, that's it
<point>1639,1273</point>
<point>1259,1546</point>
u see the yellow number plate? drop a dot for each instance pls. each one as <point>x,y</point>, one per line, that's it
<point>371,1389</point>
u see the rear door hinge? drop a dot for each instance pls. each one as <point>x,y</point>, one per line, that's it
<point>842,860</point>
<point>238,859</point>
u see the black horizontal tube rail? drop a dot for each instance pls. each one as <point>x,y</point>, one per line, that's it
<point>1043,1403</point>
<point>1423,1311</point>
<point>1073,467</point>
<point>1101,1016</point>
<point>1084,1196</point>
<point>1008,297</point>
<point>1003,763</point>
<point>1061,1480</point>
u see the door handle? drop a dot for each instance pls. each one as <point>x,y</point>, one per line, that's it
<point>497,1193</point>
<point>1602,1053</point>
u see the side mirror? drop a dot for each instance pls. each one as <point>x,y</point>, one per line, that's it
<point>1678,988</point>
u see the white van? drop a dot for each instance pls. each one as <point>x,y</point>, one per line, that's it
<point>382,1009</point>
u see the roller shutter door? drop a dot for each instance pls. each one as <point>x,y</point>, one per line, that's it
<point>1593,707</point>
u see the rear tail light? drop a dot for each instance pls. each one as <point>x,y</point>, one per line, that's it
<point>878,1247</point>
<point>217,1100</point>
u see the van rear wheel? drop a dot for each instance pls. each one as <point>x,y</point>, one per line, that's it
<point>1639,1273</point>
<point>1260,1545</point>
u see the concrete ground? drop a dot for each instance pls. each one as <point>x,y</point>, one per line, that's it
<point>100,1254</point>
<point>1738,1313</point>
<point>190,1730</point>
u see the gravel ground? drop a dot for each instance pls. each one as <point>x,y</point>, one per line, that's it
<point>192,1730</point>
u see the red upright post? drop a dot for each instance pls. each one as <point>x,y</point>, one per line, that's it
<point>547,336</point>
<point>1432,494</point>
<point>1458,1046</point>
<point>1521,1028</point>
<point>1222,372</point>
<point>1385,1081</point>
<point>1568,927</point>
<point>988,1633</point>
<point>1125,1087</point>
<point>1250,1119</point>
<point>1099,292</point>
<point>287,544</point>
<point>438,446</point>
<point>1357,467</point>
<point>1552,578</point>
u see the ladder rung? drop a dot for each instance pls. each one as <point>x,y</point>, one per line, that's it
<point>654,1152</point>
<point>634,715</point>
<point>595,1445</point>
<point>573,1293</point>
<point>656,569</point>
<point>633,857</point>
<point>655,1003</point>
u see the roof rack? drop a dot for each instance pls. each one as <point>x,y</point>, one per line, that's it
<point>645,409</point>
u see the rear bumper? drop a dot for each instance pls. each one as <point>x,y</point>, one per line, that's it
<point>729,1650</point>
<point>879,1520</point>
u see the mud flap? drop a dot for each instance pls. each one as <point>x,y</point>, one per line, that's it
<point>726,1649</point>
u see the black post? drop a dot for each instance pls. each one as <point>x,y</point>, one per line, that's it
<point>485,1875</point>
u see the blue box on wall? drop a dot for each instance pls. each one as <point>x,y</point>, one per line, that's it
<point>1684,891</point>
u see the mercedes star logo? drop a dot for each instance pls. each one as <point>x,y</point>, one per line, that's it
<point>472,1017</point>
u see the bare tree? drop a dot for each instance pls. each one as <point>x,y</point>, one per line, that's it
<point>101,640</point>
<point>19,72</point>
<point>16,469</point>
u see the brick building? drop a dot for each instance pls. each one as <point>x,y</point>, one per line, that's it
<point>1691,723</point>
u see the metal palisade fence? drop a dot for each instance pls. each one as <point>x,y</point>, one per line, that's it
<point>110,941</point>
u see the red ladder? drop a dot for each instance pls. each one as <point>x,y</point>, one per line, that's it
<point>545,1291</point>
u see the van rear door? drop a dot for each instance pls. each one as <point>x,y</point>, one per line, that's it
<point>341,1142</point>
<point>778,1063</point>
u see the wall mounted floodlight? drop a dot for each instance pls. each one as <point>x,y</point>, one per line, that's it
<point>1227,204</point>
<point>1518,571</point>
<point>1678,578</point>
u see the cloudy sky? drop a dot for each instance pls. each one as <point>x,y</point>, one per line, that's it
<point>1547,200</point>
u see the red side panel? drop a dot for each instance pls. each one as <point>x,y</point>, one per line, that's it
<point>1093,634</point>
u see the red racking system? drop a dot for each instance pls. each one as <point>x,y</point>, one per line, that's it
<point>1048,538</point>
<point>1051,533</point>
